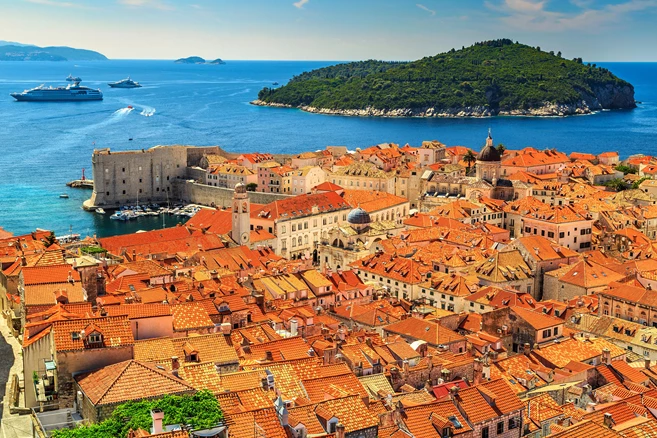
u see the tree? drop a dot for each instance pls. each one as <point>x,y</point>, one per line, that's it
<point>559,54</point>
<point>625,169</point>
<point>251,187</point>
<point>501,148</point>
<point>617,185</point>
<point>469,158</point>
<point>50,239</point>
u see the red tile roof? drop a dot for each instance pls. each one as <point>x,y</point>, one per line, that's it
<point>129,380</point>
<point>300,206</point>
<point>115,330</point>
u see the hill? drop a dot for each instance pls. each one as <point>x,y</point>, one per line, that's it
<point>486,79</point>
<point>19,52</point>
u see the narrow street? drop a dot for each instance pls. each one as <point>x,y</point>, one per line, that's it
<point>13,426</point>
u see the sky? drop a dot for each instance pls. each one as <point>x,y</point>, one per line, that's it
<point>596,30</point>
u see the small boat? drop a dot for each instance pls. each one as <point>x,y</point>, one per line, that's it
<point>275,83</point>
<point>129,106</point>
<point>118,216</point>
<point>130,139</point>
<point>72,78</point>
<point>63,196</point>
<point>100,211</point>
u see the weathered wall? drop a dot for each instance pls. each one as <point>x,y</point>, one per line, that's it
<point>218,196</point>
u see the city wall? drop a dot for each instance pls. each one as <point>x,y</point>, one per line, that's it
<point>195,193</point>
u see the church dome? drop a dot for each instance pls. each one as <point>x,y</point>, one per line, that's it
<point>489,152</point>
<point>358,216</point>
<point>240,188</point>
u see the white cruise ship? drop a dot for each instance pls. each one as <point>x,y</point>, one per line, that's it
<point>70,93</point>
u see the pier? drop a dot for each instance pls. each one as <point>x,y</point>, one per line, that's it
<point>81,184</point>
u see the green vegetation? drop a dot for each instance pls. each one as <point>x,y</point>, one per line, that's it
<point>637,183</point>
<point>496,75</point>
<point>617,185</point>
<point>50,240</point>
<point>625,169</point>
<point>93,250</point>
<point>251,187</point>
<point>200,410</point>
<point>14,52</point>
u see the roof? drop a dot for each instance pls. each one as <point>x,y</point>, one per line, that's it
<point>372,201</point>
<point>300,206</point>
<point>49,274</point>
<point>538,320</point>
<point>430,332</point>
<point>190,316</point>
<point>116,332</point>
<point>129,380</point>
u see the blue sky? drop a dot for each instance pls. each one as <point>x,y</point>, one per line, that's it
<point>596,30</point>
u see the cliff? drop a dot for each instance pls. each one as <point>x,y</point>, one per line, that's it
<point>487,79</point>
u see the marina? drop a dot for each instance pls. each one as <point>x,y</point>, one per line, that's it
<point>127,213</point>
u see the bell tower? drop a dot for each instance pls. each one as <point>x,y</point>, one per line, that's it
<point>241,230</point>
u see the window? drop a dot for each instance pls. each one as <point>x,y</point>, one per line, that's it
<point>484,432</point>
<point>513,423</point>
<point>561,235</point>
<point>294,227</point>
<point>95,338</point>
<point>555,330</point>
<point>547,333</point>
<point>550,234</point>
<point>500,427</point>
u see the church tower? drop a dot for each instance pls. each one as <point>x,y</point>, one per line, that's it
<point>241,230</point>
<point>489,162</point>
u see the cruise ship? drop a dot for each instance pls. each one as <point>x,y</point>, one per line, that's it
<point>125,83</point>
<point>71,93</point>
<point>72,78</point>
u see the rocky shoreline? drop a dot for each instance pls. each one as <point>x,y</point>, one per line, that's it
<point>547,110</point>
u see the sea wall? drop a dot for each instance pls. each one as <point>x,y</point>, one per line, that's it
<point>195,193</point>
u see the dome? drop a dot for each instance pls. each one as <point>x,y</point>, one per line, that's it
<point>489,153</point>
<point>240,188</point>
<point>358,216</point>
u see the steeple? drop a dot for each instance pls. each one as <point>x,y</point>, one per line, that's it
<point>241,229</point>
<point>489,139</point>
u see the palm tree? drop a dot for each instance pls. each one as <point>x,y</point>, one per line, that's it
<point>469,158</point>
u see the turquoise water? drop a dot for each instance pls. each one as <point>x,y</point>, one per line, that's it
<point>44,145</point>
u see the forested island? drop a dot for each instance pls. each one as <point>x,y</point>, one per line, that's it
<point>489,78</point>
<point>21,52</point>
<point>198,60</point>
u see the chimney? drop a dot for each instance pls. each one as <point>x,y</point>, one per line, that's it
<point>609,420</point>
<point>134,255</point>
<point>157,415</point>
<point>646,363</point>
<point>175,364</point>
<point>294,327</point>
<point>478,370</point>
<point>405,364</point>
<point>606,356</point>
<point>527,349</point>
<point>339,431</point>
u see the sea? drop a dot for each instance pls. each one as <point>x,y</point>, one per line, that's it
<point>44,145</point>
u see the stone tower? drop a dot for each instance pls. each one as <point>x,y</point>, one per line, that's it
<point>241,230</point>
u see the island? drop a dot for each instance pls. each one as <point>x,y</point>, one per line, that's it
<point>10,51</point>
<point>198,60</point>
<point>489,78</point>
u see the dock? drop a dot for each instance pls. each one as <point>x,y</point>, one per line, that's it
<point>81,184</point>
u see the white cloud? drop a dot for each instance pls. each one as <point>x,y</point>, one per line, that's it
<point>532,15</point>
<point>424,8</point>
<point>300,3</point>
<point>155,4</point>
<point>52,3</point>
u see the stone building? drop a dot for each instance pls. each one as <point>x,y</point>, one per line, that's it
<point>125,177</point>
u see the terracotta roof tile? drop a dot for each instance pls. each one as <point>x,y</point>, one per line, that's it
<point>129,380</point>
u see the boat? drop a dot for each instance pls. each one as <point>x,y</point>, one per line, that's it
<point>275,83</point>
<point>129,106</point>
<point>100,211</point>
<point>125,83</point>
<point>72,78</point>
<point>118,216</point>
<point>63,196</point>
<point>71,93</point>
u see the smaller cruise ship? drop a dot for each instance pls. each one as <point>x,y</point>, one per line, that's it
<point>125,83</point>
<point>72,78</point>
<point>71,93</point>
